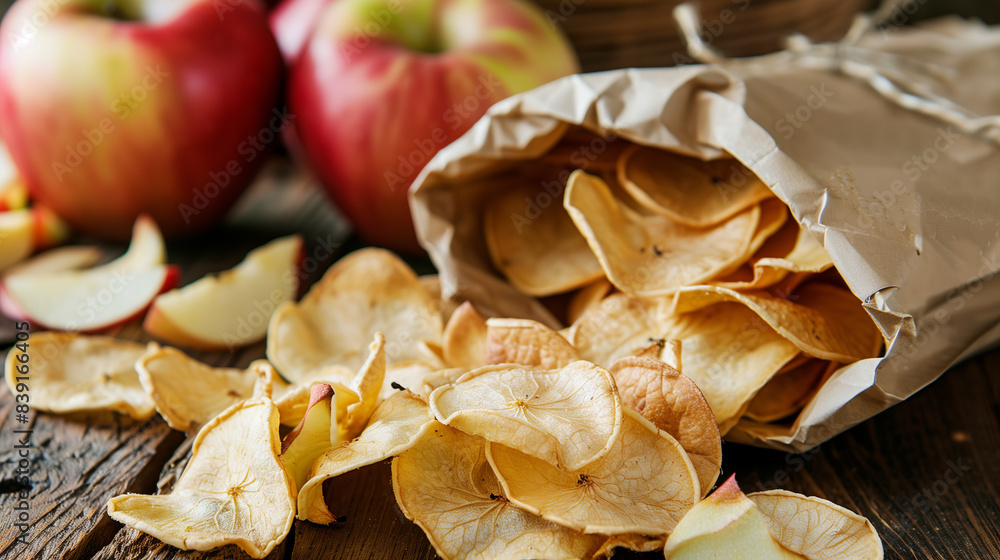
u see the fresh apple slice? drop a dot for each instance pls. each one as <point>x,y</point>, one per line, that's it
<point>49,230</point>
<point>16,239</point>
<point>58,260</point>
<point>96,298</point>
<point>232,308</point>
<point>728,525</point>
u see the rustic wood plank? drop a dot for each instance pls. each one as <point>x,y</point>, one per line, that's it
<point>78,462</point>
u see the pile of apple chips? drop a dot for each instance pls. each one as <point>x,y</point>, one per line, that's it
<point>650,246</point>
<point>510,440</point>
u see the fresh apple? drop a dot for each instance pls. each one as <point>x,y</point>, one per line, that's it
<point>728,525</point>
<point>95,298</point>
<point>292,21</point>
<point>232,308</point>
<point>120,107</point>
<point>382,85</point>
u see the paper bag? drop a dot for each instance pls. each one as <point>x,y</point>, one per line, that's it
<point>885,150</point>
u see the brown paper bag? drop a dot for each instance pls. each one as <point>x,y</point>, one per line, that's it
<point>884,148</point>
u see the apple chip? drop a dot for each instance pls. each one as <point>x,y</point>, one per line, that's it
<point>792,249</point>
<point>366,292</point>
<point>619,326</point>
<point>444,485</point>
<point>730,353</point>
<point>292,400</point>
<point>234,489</point>
<point>464,339</point>
<point>824,321</point>
<point>568,417</point>
<point>631,541</point>
<point>188,393</point>
<point>395,426</point>
<point>76,373</point>
<point>725,525</point>
<point>528,343</point>
<point>653,255</point>
<point>817,529</point>
<point>789,391</point>
<point>644,485</point>
<point>312,437</point>
<point>690,191</point>
<point>537,248</point>
<point>674,404</point>
<point>586,298</point>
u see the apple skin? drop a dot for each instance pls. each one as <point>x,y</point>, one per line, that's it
<point>158,114</point>
<point>382,85</point>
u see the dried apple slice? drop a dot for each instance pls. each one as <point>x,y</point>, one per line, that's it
<point>528,343</point>
<point>674,404</point>
<point>793,249</point>
<point>540,252</point>
<point>234,489</point>
<point>729,353</point>
<point>644,484</point>
<point>417,377</point>
<point>395,426</point>
<point>464,340</point>
<point>817,529</point>
<point>231,308</point>
<point>188,393</point>
<point>619,326</point>
<point>725,525</point>
<point>96,298</point>
<point>824,321</point>
<point>366,292</point>
<point>292,400</point>
<point>568,417</point>
<point>444,485</point>
<point>352,412</point>
<point>690,191</point>
<point>76,373</point>
<point>312,437</point>
<point>653,255</point>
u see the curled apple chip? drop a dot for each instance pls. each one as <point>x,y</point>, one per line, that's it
<point>368,291</point>
<point>793,249</point>
<point>788,391</point>
<point>396,425</point>
<point>690,191</point>
<point>644,484</point>
<point>444,484</point>
<point>311,437</point>
<point>188,393</point>
<point>234,489</point>
<point>352,411</point>
<point>674,404</point>
<point>730,353</point>
<point>76,373</point>
<point>568,417</point>
<point>528,343</point>
<point>725,525</point>
<point>654,255</point>
<point>537,248</point>
<point>292,399</point>
<point>824,321</point>
<point>817,529</point>
<point>420,378</point>
<point>464,339</point>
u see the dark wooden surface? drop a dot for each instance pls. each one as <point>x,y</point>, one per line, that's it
<point>924,472</point>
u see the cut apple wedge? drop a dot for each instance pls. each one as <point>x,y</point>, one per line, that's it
<point>16,236</point>
<point>231,308</point>
<point>60,259</point>
<point>96,298</point>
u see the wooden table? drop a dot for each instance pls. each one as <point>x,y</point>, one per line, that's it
<point>925,472</point>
